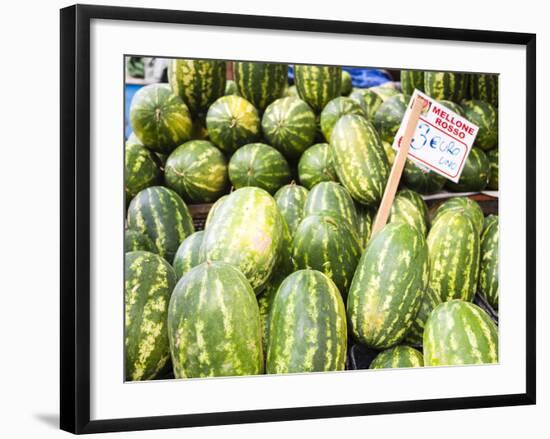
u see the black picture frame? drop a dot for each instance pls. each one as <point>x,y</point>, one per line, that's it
<point>75,217</point>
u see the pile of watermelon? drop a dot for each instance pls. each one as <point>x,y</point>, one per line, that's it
<point>285,276</point>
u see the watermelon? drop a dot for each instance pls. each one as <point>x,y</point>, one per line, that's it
<point>265,303</point>
<point>160,120</point>
<point>485,117</point>
<point>246,231</point>
<point>213,210</point>
<point>214,324</point>
<point>463,205</point>
<point>484,87</point>
<point>453,244</point>
<point>260,165</point>
<point>292,91</point>
<point>385,91</point>
<point>329,245</point>
<point>317,85</point>
<point>357,96</point>
<point>365,217</point>
<point>388,285</point>
<point>291,199</point>
<point>410,80</point>
<point>488,271</point>
<point>289,125</point>
<point>492,155</point>
<point>347,84</point>
<point>134,240</point>
<point>359,159</point>
<point>445,85</point>
<point>197,82</point>
<point>140,169</point>
<point>330,198</point>
<point>307,326</point>
<point>148,284</point>
<point>459,332</point>
<point>188,254</point>
<point>260,83</point>
<point>315,166</point>
<point>410,208</point>
<point>231,88</point>
<point>162,215</point>
<point>197,171</point>
<point>422,180</point>
<point>387,119</point>
<point>398,356</point>
<point>334,110</point>
<point>430,300</point>
<point>232,122</point>
<point>475,174</point>
<point>453,106</point>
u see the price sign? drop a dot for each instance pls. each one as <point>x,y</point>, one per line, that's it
<point>442,139</point>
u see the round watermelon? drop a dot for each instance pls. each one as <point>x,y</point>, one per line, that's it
<point>188,254</point>
<point>140,169</point>
<point>291,199</point>
<point>134,240</point>
<point>334,110</point>
<point>315,166</point>
<point>398,356</point>
<point>347,85</point>
<point>260,83</point>
<point>475,174</point>
<point>357,96</point>
<point>317,85</point>
<point>463,205</point>
<point>485,116</point>
<point>388,117</point>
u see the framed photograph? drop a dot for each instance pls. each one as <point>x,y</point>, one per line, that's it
<point>260,222</point>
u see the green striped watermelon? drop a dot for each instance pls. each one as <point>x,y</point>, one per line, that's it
<point>140,169</point>
<point>260,165</point>
<point>160,120</point>
<point>260,83</point>
<point>134,240</point>
<point>422,180</point>
<point>198,82</point>
<point>410,208</point>
<point>485,116</point>
<point>488,270</point>
<point>457,333</point>
<point>365,217</point>
<point>334,110</point>
<point>386,90</point>
<point>214,324</point>
<point>317,85</point>
<point>453,244</point>
<point>389,115</point>
<point>289,125</point>
<point>372,101</point>
<point>475,174</point>
<point>463,205</point>
<point>492,155</point>
<point>291,200</point>
<point>387,287</point>
<point>453,106</point>
<point>329,245</point>
<point>347,85</point>
<point>445,85</point>
<point>398,356</point>
<point>232,122</point>
<point>359,159</point>
<point>197,171</point>
<point>357,96</point>
<point>330,198</point>
<point>213,210</point>
<point>188,254</point>
<point>246,231</point>
<point>265,303</point>
<point>484,87</point>
<point>163,216</point>
<point>315,166</point>
<point>410,80</point>
<point>307,326</point>
<point>148,284</point>
<point>430,300</point>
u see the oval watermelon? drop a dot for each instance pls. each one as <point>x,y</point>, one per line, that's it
<point>213,210</point>
<point>410,208</point>
<point>317,85</point>
<point>445,85</point>
<point>188,254</point>
<point>410,80</point>
<point>315,166</point>
<point>484,87</point>
<point>291,200</point>
<point>134,240</point>
<point>140,169</point>
<point>365,218</point>
<point>485,116</point>
<point>488,270</point>
<point>475,174</point>
<point>334,110</point>
<point>430,299</point>
<point>357,96</point>
<point>422,180</point>
<point>260,83</point>
<point>398,356</point>
<point>463,205</point>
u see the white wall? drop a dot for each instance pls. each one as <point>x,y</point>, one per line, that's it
<point>29,249</point>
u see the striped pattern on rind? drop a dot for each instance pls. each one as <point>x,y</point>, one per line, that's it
<point>291,199</point>
<point>347,83</point>
<point>134,240</point>
<point>484,87</point>
<point>453,244</point>
<point>265,303</point>
<point>475,173</point>
<point>387,287</point>
<point>359,159</point>
<point>365,219</point>
<point>247,231</point>
<point>445,85</point>
<point>214,324</point>
<point>188,254</point>
<point>388,117</point>
<point>163,216</point>
<point>457,333</point>
<point>140,169</point>
<point>148,284</point>
<point>430,299</point>
<point>357,96</point>
<point>289,125</point>
<point>410,208</point>
<point>317,85</point>
<point>260,83</point>
<point>398,356</point>
<point>488,271</point>
<point>492,155</point>
<point>463,205</point>
<point>197,82</point>
<point>232,122</point>
<point>197,171</point>
<point>329,245</point>
<point>160,119</point>
<point>315,166</point>
<point>411,80</point>
<point>307,329</point>
<point>485,116</point>
<point>453,106</point>
<point>213,209</point>
<point>420,180</point>
<point>334,110</point>
<point>259,165</point>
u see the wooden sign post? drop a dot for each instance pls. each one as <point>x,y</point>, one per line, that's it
<point>397,168</point>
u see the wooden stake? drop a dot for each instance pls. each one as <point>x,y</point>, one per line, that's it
<point>397,168</point>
